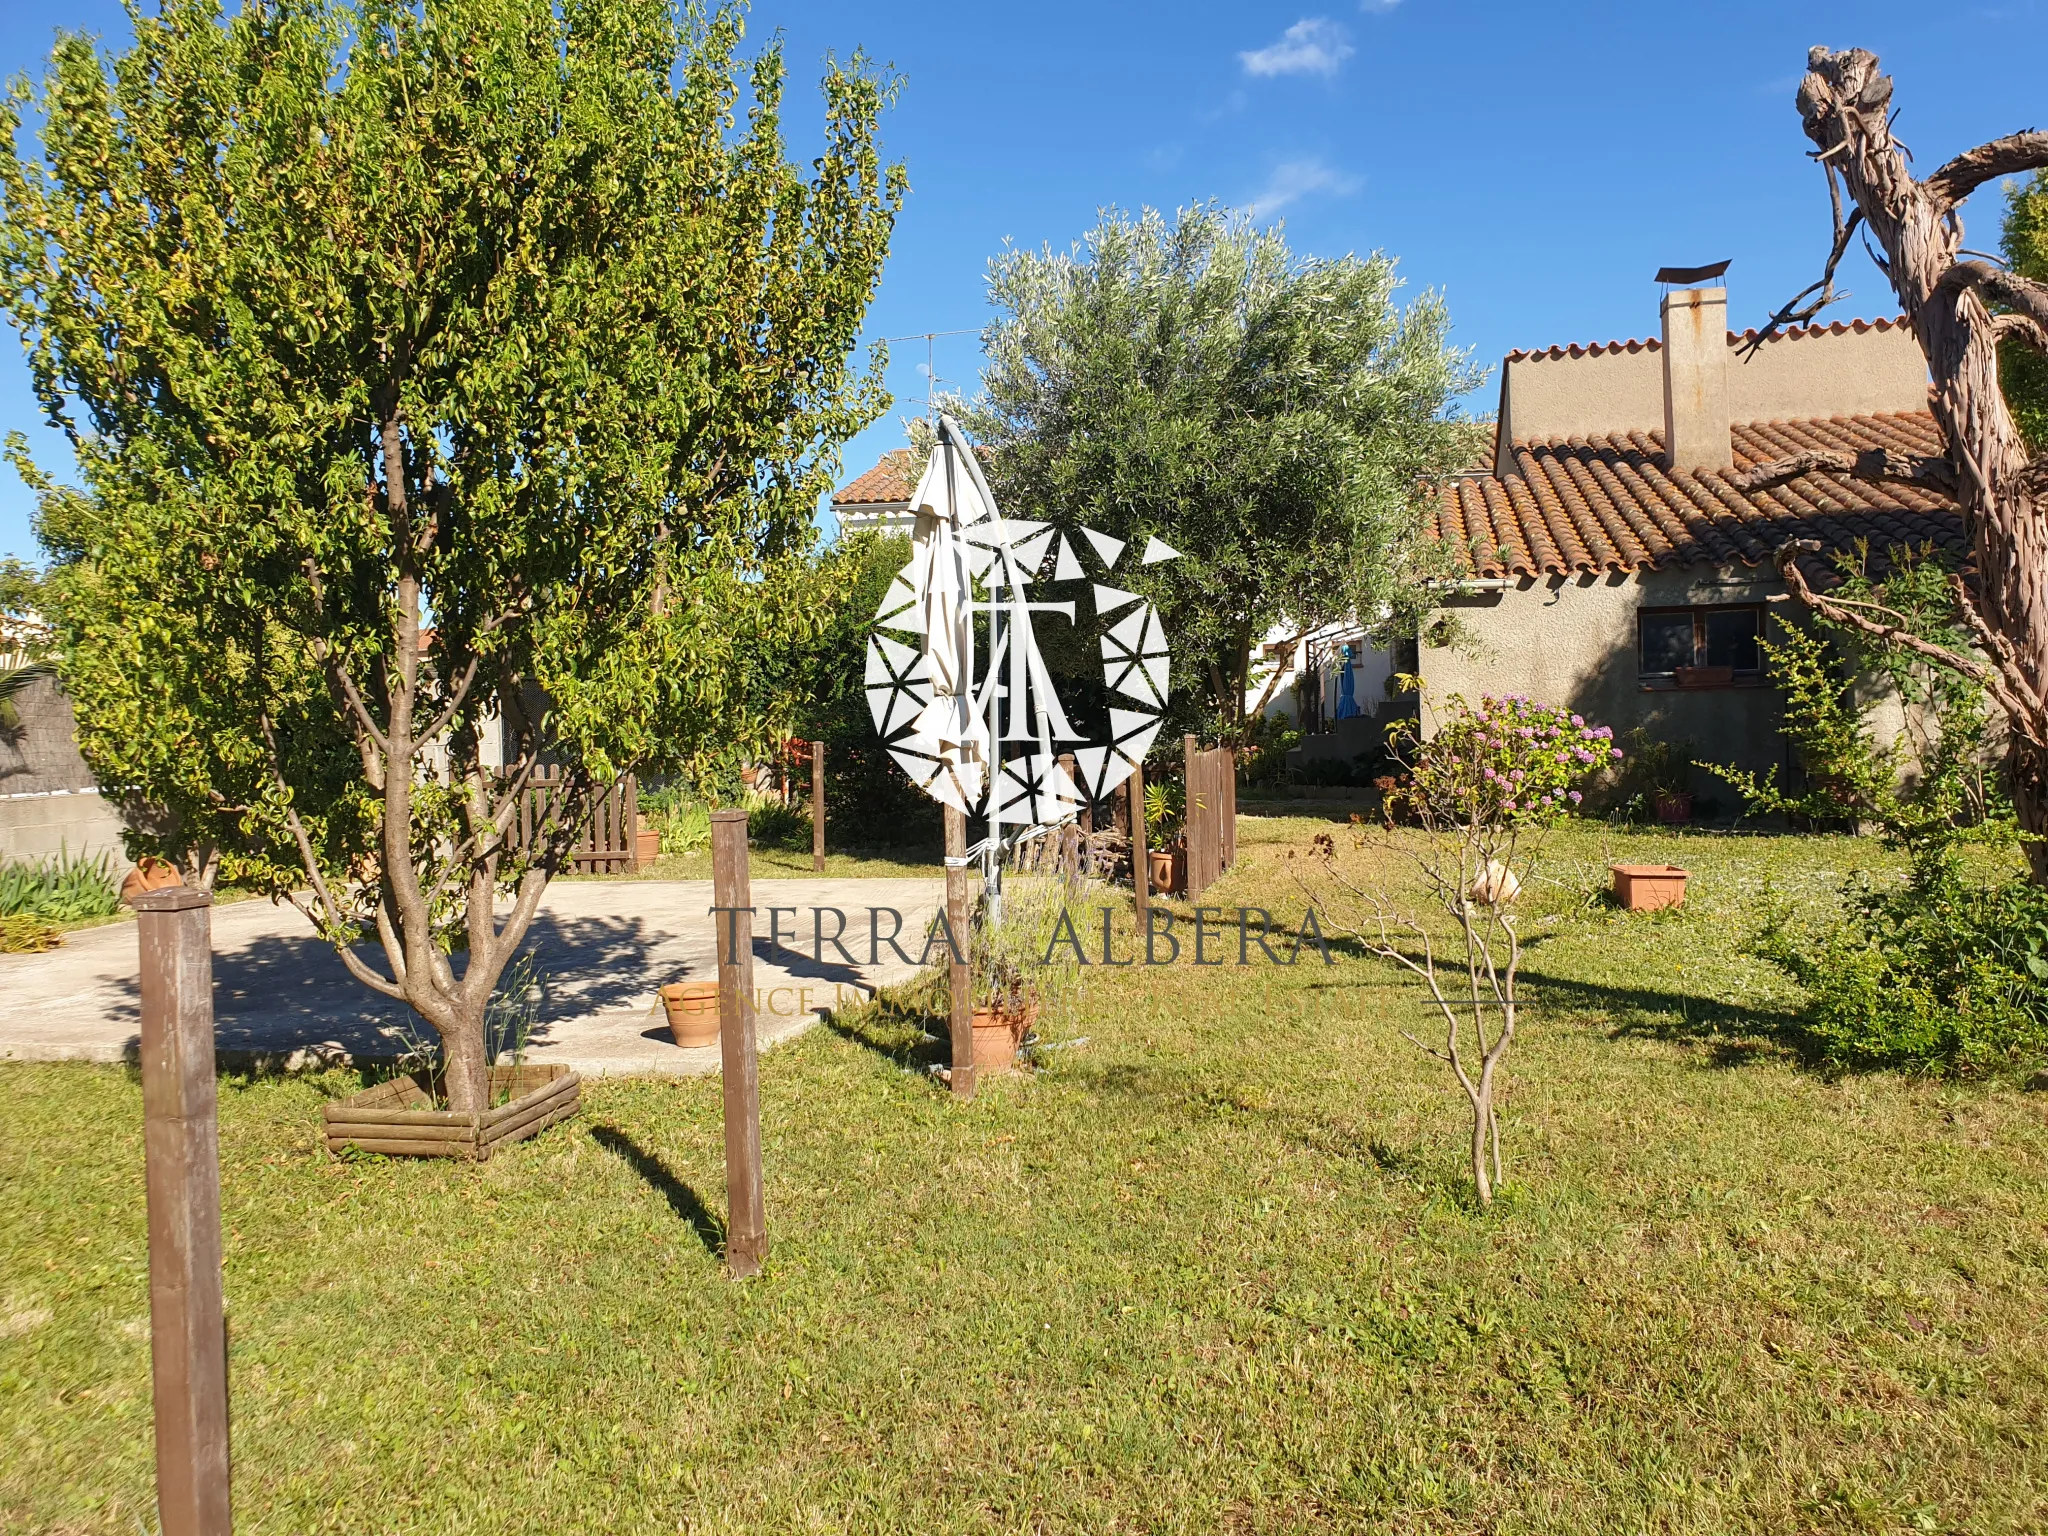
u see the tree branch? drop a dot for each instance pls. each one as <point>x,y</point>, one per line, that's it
<point>1794,313</point>
<point>2009,156</point>
<point>1877,465</point>
<point>1280,670</point>
<point>2022,295</point>
<point>2024,329</point>
<point>335,919</point>
<point>1857,616</point>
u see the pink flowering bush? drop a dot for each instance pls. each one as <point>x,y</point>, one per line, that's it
<point>1508,762</point>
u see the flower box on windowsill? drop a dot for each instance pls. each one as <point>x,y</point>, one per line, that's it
<point>1705,677</point>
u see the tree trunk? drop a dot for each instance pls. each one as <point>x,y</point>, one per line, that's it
<point>1845,108</point>
<point>469,1071</point>
<point>1482,1127</point>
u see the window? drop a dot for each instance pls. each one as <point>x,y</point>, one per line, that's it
<point>1699,647</point>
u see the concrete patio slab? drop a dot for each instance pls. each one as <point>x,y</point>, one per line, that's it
<point>600,949</point>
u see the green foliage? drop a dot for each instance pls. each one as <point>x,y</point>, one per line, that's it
<point>1166,809</point>
<point>2023,372</point>
<point>683,822</point>
<point>1268,740</point>
<point>1943,971</point>
<point>22,934</point>
<point>1937,974</point>
<point>868,800</point>
<point>1511,762</point>
<point>1931,791</point>
<point>24,638</point>
<point>65,888</point>
<point>1273,418</point>
<point>772,824</point>
<point>479,314</point>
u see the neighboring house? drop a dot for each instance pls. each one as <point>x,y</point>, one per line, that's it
<point>1610,564</point>
<point>879,499</point>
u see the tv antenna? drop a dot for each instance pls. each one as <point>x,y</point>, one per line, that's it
<point>931,377</point>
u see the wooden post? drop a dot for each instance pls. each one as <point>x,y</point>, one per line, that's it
<point>958,987</point>
<point>181,1156</point>
<point>746,1228</point>
<point>1195,821</point>
<point>1141,865</point>
<point>1069,858</point>
<point>818,807</point>
<point>632,832</point>
<point>1228,764</point>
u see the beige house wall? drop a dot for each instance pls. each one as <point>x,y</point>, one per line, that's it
<point>1622,390</point>
<point>1572,641</point>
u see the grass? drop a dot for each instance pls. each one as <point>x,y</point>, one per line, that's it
<point>1213,1270</point>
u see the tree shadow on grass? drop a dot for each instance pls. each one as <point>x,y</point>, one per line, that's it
<point>1735,1034</point>
<point>682,1199</point>
<point>907,1026</point>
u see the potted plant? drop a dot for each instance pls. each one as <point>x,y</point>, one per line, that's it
<point>1165,819</point>
<point>1005,1012</point>
<point>1659,773</point>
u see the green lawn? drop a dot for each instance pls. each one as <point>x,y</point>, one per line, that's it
<point>1212,1270</point>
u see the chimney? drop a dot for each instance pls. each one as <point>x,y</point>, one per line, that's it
<point>1696,379</point>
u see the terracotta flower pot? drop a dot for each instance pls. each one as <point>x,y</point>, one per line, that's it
<point>1169,870</point>
<point>646,845</point>
<point>997,1034</point>
<point>1649,887</point>
<point>692,1008</point>
<point>1675,810</point>
<point>1704,677</point>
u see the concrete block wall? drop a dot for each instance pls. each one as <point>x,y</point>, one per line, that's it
<point>48,800</point>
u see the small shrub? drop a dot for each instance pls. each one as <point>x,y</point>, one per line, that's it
<point>771,824</point>
<point>21,934</point>
<point>1938,976</point>
<point>1485,789</point>
<point>67,888</point>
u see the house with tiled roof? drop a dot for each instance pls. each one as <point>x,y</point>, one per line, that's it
<point>879,499</point>
<point>1613,557</point>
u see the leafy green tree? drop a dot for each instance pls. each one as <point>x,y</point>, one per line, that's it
<point>2023,370</point>
<point>440,371</point>
<point>1273,418</point>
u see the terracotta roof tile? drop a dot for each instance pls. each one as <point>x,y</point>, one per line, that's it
<point>1607,503</point>
<point>1652,344</point>
<point>888,481</point>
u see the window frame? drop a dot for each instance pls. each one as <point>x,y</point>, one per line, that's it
<point>1660,681</point>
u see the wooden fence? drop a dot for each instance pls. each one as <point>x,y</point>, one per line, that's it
<point>1211,814</point>
<point>606,841</point>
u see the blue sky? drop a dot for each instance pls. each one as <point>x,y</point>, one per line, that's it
<point>1536,162</point>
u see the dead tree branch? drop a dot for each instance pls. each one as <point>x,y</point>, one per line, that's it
<point>2012,155</point>
<point>1877,465</point>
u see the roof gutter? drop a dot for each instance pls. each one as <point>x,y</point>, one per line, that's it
<point>1471,584</point>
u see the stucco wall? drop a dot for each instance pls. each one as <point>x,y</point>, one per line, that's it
<point>1814,373</point>
<point>48,801</point>
<point>1572,641</point>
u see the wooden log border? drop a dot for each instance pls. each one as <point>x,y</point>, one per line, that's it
<point>378,1119</point>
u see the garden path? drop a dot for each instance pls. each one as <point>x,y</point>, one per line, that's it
<point>600,948</point>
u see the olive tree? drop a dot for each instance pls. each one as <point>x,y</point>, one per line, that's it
<point>452,384</point>
<point>1274,418</point>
